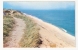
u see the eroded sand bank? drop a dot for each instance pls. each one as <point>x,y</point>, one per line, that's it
<point>53,36</point>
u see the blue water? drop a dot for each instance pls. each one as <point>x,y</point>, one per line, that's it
<point>62,18</point>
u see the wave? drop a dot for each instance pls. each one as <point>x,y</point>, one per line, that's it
<point>63,29</point>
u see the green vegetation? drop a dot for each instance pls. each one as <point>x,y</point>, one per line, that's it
<point>31,37</point>
<point>8,23</point>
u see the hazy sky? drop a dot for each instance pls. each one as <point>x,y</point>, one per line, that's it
<point>40,5</point>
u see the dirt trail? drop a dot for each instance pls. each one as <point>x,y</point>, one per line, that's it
<point>17,33</point>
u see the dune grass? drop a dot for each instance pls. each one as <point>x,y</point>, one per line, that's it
<point>8,23</point>
<point>31,37</point>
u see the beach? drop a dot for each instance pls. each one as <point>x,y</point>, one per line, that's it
<point>30,31</point>
<point>52,36</point>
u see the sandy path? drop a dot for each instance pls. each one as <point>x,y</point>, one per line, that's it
<point>52,36</point>
<point>17,33</point>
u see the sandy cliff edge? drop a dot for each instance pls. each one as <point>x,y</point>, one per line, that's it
<point>51,34</point>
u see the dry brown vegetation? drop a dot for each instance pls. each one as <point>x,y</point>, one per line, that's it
<point>8,23</point>
<point>31,37</point>
<point>53,45</point>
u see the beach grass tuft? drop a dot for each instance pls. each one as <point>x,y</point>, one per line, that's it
<point>8,23</point>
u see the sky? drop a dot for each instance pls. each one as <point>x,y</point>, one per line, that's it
<point>42,5</point>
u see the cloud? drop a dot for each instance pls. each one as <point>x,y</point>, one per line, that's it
<point>42,5</point>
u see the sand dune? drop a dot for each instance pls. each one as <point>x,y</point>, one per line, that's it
<point>53,36</point>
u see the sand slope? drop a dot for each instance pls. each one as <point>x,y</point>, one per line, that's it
<point>53,36</point>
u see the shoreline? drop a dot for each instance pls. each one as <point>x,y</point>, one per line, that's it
<point>62,29</point>
<point>53,32</point>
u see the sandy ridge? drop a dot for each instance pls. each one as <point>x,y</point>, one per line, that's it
<point>53,36</point>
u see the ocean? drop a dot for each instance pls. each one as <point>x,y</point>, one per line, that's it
<point>64,19</point>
